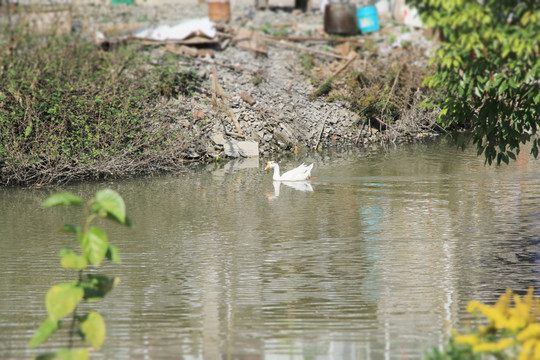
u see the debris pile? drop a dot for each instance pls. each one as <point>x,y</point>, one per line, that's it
<point>273,80</point>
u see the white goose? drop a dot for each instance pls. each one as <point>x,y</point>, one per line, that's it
<point>301,173</point>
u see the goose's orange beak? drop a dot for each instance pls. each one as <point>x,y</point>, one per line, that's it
<point>267,166</point>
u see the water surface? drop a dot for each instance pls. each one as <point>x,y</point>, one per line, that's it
<point>375,258</point>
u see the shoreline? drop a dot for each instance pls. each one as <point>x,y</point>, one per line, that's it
<point>264,104</point>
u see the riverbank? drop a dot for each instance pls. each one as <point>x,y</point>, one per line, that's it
<point>271,81</point>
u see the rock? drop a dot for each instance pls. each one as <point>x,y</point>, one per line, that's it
<point>236,149</point>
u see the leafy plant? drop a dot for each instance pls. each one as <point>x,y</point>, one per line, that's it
<point>173,84</point>
<point>487,69</point>
<point>268,30</point>
<point>307,62</point>
<point>65,298</point>
<point>324,88</point>
<point>280,32</point>
<point>503,331</point>
<point>69,111</point>
<point>265,28</point>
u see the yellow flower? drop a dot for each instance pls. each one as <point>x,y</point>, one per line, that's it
<point>521,309</point>
<point>494,315</point>
<point>526,349</point>
<point>503,303</point>
<point>536,354</point>
<point>512,316</point>
<point>493,346</point>
<point>531,331</point>
<point>502,316</point>
<point>470,339</point>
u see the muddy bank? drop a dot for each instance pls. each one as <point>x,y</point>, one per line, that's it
<point>272,93</point>
<point>271,82</point>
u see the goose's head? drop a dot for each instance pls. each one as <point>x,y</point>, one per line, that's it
<point>270,164</point>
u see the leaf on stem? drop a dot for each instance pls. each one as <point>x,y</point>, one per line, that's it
<point>62,299</point>
<point>113,205</point>
<point>73,354</point>
<point>46,356</point>
<point>68,228</point>
<point>61,199</point>
<point>46,329</point>
<point>95,245</point>
<point>113,254</point>
<point>93,329</point>
<point>97,286</point>
<point>72,260</point>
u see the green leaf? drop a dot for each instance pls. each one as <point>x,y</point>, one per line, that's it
<point>97,286</point>
<point>46,356</point>
<point>534,151</point>
<point>110,201</point>
<point>68,228</point>
<point>537,98</point>
<point>113,254</point>
<point>93,329</point>
<point>73,354</point>
<point>28,131</point>
<point>71,260</point>
<point>46,329</point>
<point>62,299</point>
<point>503,87</point>
<point>95,245</point>
<point>61,199</point>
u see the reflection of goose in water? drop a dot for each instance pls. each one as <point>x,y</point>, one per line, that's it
<point>302,172</point>
<point>297,185</point>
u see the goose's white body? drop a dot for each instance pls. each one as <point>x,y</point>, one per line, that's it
<point>301,173</point>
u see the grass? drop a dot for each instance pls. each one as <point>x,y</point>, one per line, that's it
<point>70,111</point>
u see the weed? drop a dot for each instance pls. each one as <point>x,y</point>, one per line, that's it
<point>324,88</point>
<point>67,109</point>
<point>256,80</point>
<point>307,62</point>
<point>280,32</point>
<point>265,28</point>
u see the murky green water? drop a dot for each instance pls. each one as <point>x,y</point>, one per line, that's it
<point>376,258</point>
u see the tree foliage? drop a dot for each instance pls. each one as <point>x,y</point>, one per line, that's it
<point>488,70</point>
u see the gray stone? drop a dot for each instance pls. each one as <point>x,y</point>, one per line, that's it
<point>218,139</point>
<point>236,149</point>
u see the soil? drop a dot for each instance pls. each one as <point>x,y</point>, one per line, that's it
<point>272,93</point>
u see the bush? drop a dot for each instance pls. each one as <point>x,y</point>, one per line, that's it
<point>69,110</point>
<point>488,70</point>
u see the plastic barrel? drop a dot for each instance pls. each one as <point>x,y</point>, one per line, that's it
<point>367,19</point>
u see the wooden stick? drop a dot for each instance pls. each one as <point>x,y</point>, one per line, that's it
<point>306,49</point>
<point>313,38</point>
<point>235,134</point>
<point>217,90</point>
<point>391,91</point>
<point>232,67</point>
<point>320,134</point>
<point>352,56</point>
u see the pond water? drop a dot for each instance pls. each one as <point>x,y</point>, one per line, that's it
<point>375,258</point>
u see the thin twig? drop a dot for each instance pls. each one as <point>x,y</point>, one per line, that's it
<point>306,49</point>
<point>352,57</point>
<point>320,134</point>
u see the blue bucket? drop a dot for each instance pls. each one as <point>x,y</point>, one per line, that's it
<point>367,19</point>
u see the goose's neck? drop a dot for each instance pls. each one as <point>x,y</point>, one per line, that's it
<point>277,176</point>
